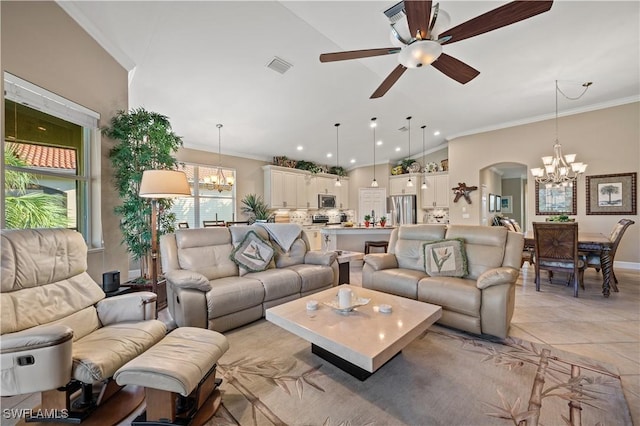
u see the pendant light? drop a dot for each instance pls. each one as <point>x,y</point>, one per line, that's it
<point>409,182</point>
<point>424,178</point>
<point>219,181</point>
<point>374,182</point>
<point>338,183</point>
<point>557,169</point>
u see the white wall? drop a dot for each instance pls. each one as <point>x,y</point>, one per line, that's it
<point>608,140</point>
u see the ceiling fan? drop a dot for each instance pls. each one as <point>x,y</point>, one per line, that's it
<point>422,44</point>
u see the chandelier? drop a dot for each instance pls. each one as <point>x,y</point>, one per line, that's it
<point>559,169</point>
<point>219,181</point>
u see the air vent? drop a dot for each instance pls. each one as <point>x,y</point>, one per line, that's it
<point>279,65</point>
<point>396,12</point>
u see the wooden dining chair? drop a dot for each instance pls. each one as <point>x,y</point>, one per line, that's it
<point>212,223</point>
<point>593,259</point>
<point>183,225</point>
<point>556,250</point>
<point>246,222</point>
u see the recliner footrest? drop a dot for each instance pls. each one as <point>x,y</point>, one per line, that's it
<point>183,363</point>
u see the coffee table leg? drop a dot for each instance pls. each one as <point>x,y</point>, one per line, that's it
<point>341,363</point>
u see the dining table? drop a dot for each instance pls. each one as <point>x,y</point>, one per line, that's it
<point>591,243</point>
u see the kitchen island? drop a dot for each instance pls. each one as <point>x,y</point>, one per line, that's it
<point>352,238</point>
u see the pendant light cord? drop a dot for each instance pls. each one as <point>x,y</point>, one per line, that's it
<point>219,126</point>
<point>337,150</point>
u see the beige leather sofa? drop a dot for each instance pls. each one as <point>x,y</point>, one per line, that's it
<point>58,331</point>
<point>206,289</point>
<point>480,302</point>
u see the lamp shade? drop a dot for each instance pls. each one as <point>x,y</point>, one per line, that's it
<point>164,184</point>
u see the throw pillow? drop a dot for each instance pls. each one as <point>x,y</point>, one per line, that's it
<point>445,258</point>
<point>253,253</point>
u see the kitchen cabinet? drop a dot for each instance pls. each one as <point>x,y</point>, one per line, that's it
<point>398,184</point>
<point>438,192</point>
<point>286,188</point>
<point>315,237</point>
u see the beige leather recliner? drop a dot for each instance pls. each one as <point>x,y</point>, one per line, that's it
<point>480,302</point>
<point>58,331</point>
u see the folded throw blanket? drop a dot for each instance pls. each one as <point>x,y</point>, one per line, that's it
<point>283,233</point>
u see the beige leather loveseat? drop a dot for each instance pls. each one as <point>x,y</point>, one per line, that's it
<point>207,288</point>
<point>479,300</point>
<point>58,331</point>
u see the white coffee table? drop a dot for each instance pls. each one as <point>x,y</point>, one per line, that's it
<point>361,341</point>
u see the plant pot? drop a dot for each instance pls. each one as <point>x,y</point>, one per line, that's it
<point>382,223</point>
<point>366,224</point>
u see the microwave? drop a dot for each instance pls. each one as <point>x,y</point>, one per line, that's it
<point>326,201</point>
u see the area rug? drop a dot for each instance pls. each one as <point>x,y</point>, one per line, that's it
<point>445,377</point>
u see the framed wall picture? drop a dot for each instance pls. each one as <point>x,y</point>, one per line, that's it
<point>498,203</point>
<point>507,204</point>
<point>612,194</point>
<point>492,203</point>
<point>556,200</point>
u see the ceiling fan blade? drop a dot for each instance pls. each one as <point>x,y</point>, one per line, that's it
<point>389,81</point>
<point>507,14</point>
<point>455,69</point>
<point>418,16</point>
<point>357,54</point>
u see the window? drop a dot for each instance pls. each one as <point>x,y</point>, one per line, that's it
<point>207,202</point>
<point>47,170</point>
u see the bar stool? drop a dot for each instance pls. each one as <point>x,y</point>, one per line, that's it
<point>369,244</point>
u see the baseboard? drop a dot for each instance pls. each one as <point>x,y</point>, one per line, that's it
<point>627,265</point>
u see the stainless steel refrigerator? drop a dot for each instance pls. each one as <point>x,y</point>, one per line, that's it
<point>402,208</point>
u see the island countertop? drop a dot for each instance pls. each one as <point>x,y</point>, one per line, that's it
<point>352,238</point>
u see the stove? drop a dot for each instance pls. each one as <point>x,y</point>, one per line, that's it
<point>320,218</point>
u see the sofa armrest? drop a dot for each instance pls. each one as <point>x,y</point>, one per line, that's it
<point>497,276</point>
<point>318,257</point>
<point>35,338</point>
<point>139,306</point>
<point>380,261</point>
<point>182,278</point>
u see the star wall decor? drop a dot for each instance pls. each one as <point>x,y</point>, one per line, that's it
<point>462,190</point>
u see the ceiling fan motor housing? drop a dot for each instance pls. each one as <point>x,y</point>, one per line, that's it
<point>419,53</point>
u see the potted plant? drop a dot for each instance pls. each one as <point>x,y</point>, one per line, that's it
<point>383,221</point>
<point>145,141</point>
<point>254,206</point>
<point>367,220</point>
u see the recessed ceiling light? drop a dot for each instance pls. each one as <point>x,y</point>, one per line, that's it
<point>379,143</point>
<point>329,155</point>
<point>299,147</point>
<point>397,149</point>
<point>353,160</point>
<point>436,133</point>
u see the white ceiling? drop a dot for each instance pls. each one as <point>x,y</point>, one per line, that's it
<point>204,62</point>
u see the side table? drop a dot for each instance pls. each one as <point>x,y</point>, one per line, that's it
<point>344,257</point>
<point>161,303</point>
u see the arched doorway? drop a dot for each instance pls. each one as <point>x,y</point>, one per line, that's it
<point>504,192</point>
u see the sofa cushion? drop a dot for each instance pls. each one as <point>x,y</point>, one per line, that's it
<point>238,234</point>
<point>401,282</point>
<point>94,360</point>
<point>293,256</point>
<point>445,258</point>
<point>453,294</point>
<point>206,251</point>
<point>277,283</point>
<point>484,245</point>
<point>232,294</point>
<point>408,247</point>
<point>313,277</point>
<point>253,254</point>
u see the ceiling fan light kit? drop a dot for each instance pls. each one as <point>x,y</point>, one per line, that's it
<point>417,29</point>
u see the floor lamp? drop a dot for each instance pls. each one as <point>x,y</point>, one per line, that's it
<point>158,184</point>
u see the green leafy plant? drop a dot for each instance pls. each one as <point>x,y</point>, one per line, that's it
<point>25,209</point>
<point>145,142</point>
<point>254,206</point>
<point>383,220</point>
<point>559,218</point>
<point>338,170</point>
<point>309,166</point>
<point>406,163</point>
<point>367,218</point>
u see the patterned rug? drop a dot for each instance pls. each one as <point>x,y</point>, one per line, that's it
<point>444,377</point>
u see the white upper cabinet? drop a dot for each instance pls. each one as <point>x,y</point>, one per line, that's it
<point>398,184</point>
<point>286,188</point>
<point>438,192</point>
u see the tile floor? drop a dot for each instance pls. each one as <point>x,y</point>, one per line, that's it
<point>606,329</point>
